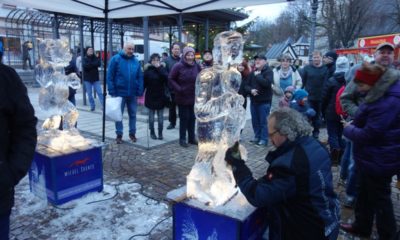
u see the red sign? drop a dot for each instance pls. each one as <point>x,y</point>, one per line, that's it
<point>355,51</point>
<point>376,40</point>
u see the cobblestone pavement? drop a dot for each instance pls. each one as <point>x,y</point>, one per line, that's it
<point>159,170</point>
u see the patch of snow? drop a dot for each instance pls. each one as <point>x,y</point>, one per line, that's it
<point>118,212</point>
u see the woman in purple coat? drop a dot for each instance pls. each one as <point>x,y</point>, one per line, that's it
<point>375,132</point>
<point>182,79</point>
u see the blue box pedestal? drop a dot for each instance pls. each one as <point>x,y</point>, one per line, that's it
<point>66,177</point>
<point>193,221</point>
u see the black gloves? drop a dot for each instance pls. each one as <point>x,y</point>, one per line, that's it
<point>232,155</point>
<point>239,169</point>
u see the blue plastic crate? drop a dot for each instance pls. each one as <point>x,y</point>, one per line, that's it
<point>66,177</point>
<point>190,222</point>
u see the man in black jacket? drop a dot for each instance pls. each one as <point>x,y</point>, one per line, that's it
<point>314,77</point>
<point>259,89</point>
<point>170,62</point>
<point>17,139</point>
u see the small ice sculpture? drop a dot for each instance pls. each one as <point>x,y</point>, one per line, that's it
<point>220,117</point>
<point>53,96</point>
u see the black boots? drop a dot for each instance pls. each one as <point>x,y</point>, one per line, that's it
<point>160,136</point>
<point>153,134</point>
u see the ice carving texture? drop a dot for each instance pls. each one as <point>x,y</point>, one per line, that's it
<point>53,99</point>
<point>220,117</point>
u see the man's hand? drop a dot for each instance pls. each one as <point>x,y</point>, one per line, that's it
<point>346,123</point>
<point>256,72</point>
<point>254,92</point>
<point>232,155</point>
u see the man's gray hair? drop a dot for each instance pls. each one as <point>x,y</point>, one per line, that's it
<point>291,123</point>
<point>128,43</point>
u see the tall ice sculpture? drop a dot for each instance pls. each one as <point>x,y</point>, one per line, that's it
<point>220,118</point>
<point>58,132</point>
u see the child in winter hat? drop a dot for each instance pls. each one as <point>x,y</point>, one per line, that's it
<point>300,104</point>
<point>287,97</point>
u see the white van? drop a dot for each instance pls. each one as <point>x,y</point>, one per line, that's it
<point>154,47</point>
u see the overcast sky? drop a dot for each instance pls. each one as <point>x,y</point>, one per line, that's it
<point>268,11</point>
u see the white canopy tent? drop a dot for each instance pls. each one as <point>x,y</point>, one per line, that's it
<point>117,9</point>
<point>133,8</point>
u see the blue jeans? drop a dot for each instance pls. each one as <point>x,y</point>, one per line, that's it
<point>335,132</point>
<point>187,121</point>
<point>160,118</point>
<point>348,169</point>
<point>131,103</point>
<point>5,226</point>
<point>259,113</point>
<point>89,90</point>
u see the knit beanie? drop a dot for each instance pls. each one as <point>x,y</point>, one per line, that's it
<point>331,54</point>
<point>186,50</point>
<point>369,73</point>
<point>299,94</point>
<point>342,64</point>
<point>290,89</point>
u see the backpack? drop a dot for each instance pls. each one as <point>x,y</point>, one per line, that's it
<point>338,105</point>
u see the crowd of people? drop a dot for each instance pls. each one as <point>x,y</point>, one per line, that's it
<point>360,106</point>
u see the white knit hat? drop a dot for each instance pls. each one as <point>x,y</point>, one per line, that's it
<point>342,64</point>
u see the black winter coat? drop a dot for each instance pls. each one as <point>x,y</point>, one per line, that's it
<point>262,82</point>
<point>328,99</point>
<point>155,83</point>
<point>17,135</point>
<point>313,81</point>
<point>90,68</point>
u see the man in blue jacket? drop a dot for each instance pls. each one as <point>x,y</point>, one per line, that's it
<point>297,188</point>
<point>125,79</point>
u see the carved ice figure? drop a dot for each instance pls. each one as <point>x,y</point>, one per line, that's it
<point>220,117</point>
<point>53,95</point>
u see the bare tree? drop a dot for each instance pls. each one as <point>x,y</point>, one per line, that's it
<point>344,20</point>
<point>393,13</point>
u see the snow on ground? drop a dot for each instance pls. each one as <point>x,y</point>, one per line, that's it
<point>119,212</point>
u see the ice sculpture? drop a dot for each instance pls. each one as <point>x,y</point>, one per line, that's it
<point>220,117</point>
<point>53,97</point>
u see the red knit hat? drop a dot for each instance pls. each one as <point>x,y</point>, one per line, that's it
<point>366,78</point>
<point>369,73</point>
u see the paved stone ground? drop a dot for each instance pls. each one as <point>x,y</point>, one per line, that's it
<point>161,169</point>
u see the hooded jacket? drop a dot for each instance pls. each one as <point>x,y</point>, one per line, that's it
<point>375,130</point>
<point>17,135</point>
<point>124,76</point>
<point>155,83</point>
<point>182,80</point>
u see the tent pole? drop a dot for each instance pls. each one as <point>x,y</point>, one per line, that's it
<point>81,44</point>
<point>146,39</point>
<point>105,68</point>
